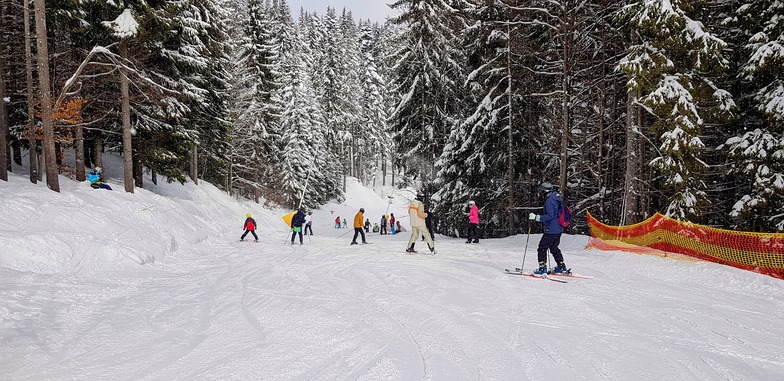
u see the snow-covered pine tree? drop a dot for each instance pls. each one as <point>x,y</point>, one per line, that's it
<point>670,66</point>
<point>480,152</point>
<point>373,114</point>
<point>256,132</point>
<point>758,153</point>
<point>208,21</point>
<point>429,76</point>
<point>183,63</point>
<point>323,34</point>
<point>308,166</point>
<point>349,68</point>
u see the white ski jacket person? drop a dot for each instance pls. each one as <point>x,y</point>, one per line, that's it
<point>416,212</point>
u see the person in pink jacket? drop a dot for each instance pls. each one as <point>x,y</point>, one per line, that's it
<point>473,222</point>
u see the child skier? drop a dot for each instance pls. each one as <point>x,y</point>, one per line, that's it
<point>250,227</point>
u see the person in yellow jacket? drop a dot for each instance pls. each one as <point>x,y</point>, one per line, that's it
<point>417,215</point>
<point>359,221</point>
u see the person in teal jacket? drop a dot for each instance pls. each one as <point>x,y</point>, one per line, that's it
<point>95,177</point>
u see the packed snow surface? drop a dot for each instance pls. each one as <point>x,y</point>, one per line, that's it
<point>155,285</point>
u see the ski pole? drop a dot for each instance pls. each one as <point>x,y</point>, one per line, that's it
<point>343,234</point>
<point>525,251</point>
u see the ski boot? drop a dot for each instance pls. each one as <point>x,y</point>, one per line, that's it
<point>542,270</point>
<point>560,269</point>
<point>410,250</point>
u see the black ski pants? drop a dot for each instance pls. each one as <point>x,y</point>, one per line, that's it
<point>358,231</point>
<point>550,242</point>
<point>473,233</point>
<point>251,232</point>
<point>294,234</point>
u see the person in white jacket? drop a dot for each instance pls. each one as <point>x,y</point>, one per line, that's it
<point>309,223</point>
<point>417,215</point>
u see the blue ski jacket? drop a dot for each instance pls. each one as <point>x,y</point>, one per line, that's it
<point>549,217</point>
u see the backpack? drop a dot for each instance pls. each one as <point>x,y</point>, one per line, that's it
<point>564,215</point>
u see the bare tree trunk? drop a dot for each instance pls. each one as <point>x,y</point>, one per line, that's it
<point>52,180</point>
<point>510,156</point>
<point>98,151</point>
<point>383,167</point>
<point>126,122</point>
<point>194,170</point>
<point>35,173</point>
<point>600,173</point>
<point>138,174</point>
<point>4,161</point>
<point>567,33</point>
<point>630,212</point>
<point>79,142</point>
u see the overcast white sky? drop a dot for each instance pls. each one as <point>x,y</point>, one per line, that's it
<point>376,10</point>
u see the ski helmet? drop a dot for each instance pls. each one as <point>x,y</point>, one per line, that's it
<point>546,187</point>
<point>98,169</point>
<point>362,210</point>
<point>420,195</point>
<point>471,202</point>
<point>247,215</point>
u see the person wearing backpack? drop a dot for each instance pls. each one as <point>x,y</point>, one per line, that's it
<point>552,230</point>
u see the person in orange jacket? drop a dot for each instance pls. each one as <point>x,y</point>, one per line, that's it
<point>359,221</point>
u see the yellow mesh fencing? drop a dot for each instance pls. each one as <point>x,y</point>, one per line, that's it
<point>661,235</point>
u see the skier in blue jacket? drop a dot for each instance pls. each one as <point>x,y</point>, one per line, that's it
<point>95,177</point>
<point>552,230</point>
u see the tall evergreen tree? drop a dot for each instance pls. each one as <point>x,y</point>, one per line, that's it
<point>429,75</point>
<point>758,153</point>
<point>671,67</point>
<point>256,132</point>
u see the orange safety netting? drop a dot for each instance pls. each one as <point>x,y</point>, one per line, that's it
<point>758,252</point>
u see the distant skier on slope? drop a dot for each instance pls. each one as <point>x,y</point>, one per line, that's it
<point>552,230</point>
<point>473,222</point>
<point>417,215</point>
<point>95,177</point>
<point>358,226</point>
<point>309,223</point>
<point>250,227</point>
<point>296,225</point>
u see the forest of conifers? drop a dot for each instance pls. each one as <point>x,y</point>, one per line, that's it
<point>630,107</point>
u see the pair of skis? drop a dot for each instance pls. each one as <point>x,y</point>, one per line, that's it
<point>549,276</point>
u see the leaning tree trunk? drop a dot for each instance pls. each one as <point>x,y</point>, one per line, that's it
<point>52,181</point>
<point>126,123</point>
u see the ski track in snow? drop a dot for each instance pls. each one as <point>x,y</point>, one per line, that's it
<point>206,306</point>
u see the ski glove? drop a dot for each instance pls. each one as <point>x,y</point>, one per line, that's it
<point>533,217</point>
